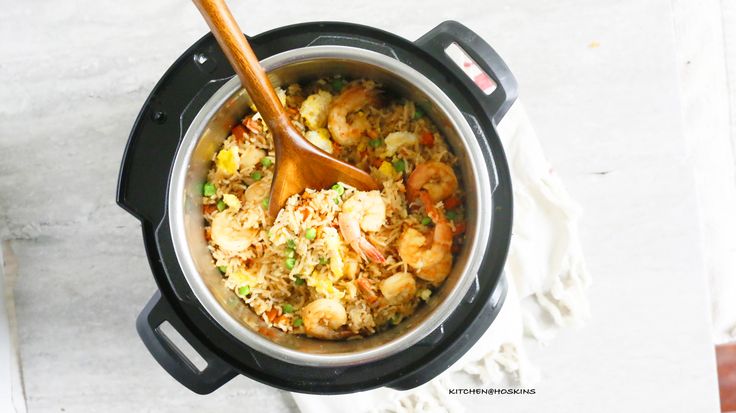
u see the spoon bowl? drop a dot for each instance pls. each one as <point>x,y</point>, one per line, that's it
<point>299,164</point>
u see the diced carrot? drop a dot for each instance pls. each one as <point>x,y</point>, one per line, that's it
<point>208,209</point>
<point>459,228</point>
<point>252,125</point>
<point>452,202</point>
<point>208,233</point>
<point>271,314</point>
<point>377,162</point>
<point>239,133</point>
<point>427,138</point>
<point>304,212</point>
<point>268,332</point>
<point>372,133</point>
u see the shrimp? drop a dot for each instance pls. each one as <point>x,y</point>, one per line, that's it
<point>322,317</point>
<point>230,234</point>
<point>436,178</point>
<point>350,100</point>
<point>249,158</point>
<point>398,288</point>
<point>368,208</point>
<point>258,190</point>
<point>432,259</point>
<point>350,230</point>
<point>366,211</point>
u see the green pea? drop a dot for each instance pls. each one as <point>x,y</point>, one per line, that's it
<point>299,281</point>
<point>375,143</point>
<point>287,308</point>
<point>426,221</point>
<point>264,203</point>
<point>221,205</point>
<point>337,201</point>
<point>298,322</point>
<point>418,112</point>
<point>244,290</point>
<point>323,260</point>
<point>451,215</point>
<point>208,189</point>
<point>338,84</point>
<point>338,188</point>
<point>291,244</point>
<point>399,165</point>
<point>310,234</point>
<point>290,262</point>
<point>256,175</point>
<point>266,162</point>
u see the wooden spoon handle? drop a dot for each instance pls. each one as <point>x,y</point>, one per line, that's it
<point>244,61</point>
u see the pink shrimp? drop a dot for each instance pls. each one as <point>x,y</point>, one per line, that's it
<point>350,230</point>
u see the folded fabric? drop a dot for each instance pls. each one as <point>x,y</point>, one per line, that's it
<point>547,280</point>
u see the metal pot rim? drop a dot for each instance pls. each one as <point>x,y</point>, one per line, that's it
<point>480,185</point>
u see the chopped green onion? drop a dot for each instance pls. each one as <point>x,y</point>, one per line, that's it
<point>396,319</point>
<point>310,234</point>
<point>339,188</point>
<point>244,290</point>
<point>426,221</point>
<point>323,260</point>
<point>256,175</point>
<point>451,215</point>
<point>290,262</point>
<point>291,244</point>
<point>337,200</point>
<point>266,162</point>
<point>298,322</point>
<point>375,143</point>
<point>222,268</point>
<point>299,281</point>
<point>208,189</point>
<point>221,205</point>
<point>264,203</point>
<point>400,165</point>
<point>287,308</point>
<point>290,253</point>
<point>338,84</point>
<point>418,112</point>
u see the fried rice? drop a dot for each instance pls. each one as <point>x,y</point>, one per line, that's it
<point>297,272</point>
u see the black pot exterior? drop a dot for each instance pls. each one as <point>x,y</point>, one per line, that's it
<point>143,184</point>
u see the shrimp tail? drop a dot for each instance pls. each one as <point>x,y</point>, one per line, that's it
<point>370,251</point>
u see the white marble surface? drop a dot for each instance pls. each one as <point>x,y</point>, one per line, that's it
<point>609,118</point>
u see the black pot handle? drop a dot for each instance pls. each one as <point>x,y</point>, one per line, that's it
<point>173,360</point>
<point>436,41</point>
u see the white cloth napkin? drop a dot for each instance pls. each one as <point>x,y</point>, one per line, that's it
<point>547,288</point>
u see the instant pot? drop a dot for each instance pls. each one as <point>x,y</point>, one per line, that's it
<point>452,74</point>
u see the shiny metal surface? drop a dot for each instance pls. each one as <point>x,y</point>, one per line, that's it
<point>211,126</point>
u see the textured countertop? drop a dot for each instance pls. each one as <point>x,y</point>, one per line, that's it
<point>599,79</point>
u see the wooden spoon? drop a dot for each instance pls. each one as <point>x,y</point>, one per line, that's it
<point>299,164</point>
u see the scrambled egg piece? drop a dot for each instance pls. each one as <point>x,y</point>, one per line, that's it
<point>387,170</point>
<point>320,138</point>
<point>396,140</point>
<point>240,278</point>
<point>227,160</point>
<point>231,200</point>
<point>315,108</point>
<point>324,286</point>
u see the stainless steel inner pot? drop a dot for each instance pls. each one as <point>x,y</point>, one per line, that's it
<point>212,125</point>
